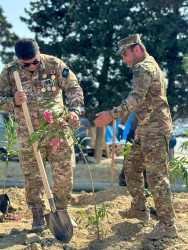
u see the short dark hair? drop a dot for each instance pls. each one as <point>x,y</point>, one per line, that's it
<point>26,48</point>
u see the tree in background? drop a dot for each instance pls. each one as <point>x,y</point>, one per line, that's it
<point>84,34</point>
<point>164,28</point>
<point>7,39</point>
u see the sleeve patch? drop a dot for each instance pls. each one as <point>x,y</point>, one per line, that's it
<point>65,72</point>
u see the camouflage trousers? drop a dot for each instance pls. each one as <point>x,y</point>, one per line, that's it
<point>149,152</point>
<point>61,161</point>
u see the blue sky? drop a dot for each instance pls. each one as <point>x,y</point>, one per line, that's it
<point>13,9</point>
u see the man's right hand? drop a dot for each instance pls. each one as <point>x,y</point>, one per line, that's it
<point>119,134</point>
<point>20,97</point>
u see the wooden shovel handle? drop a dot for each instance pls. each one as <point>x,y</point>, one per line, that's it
<point>30,128</point>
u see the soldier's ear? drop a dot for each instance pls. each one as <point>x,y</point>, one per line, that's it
<point>137,48</point>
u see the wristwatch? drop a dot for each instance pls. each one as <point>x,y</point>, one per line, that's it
<point>76,111</point>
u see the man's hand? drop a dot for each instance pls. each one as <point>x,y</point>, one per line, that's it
<point>73,119</point>
<point>20,97</point>
<point>103,119</point>
<point>119,133</point>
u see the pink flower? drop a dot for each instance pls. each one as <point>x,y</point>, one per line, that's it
<point>41,136</point>
<point>15,217</point>
<point>48,116</point>
<point>55,142</point>
<point>64,123</point>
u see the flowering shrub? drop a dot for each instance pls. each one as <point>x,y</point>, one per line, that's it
<point>54,126</point>
<point>48,116</point>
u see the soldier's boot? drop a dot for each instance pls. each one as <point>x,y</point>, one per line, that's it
<point>162,230</point>
<point>122,181</point>
<point>143,215</point>
<point>38,220</point>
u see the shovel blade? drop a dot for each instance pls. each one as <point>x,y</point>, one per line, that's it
<point>60,225</point>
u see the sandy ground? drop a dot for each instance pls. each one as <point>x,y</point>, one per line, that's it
<point>117,233</point>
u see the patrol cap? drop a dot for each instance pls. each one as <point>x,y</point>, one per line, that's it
<point>82,109</point>
<point>26,48</point>
<point>127,42</point>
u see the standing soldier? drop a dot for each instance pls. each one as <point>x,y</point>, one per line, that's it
<point>150,146</point>
<point>43,78</point>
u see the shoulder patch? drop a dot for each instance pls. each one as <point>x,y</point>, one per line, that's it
<point>65,72</point>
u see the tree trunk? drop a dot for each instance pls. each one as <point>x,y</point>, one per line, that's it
<point>100,137</point>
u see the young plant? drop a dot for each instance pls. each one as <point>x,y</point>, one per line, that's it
<point>127,148</point>
<point>10,139</point>
<point>179,166</point>
<point>102,213</point>
<point>54,128</point>
<point>179,169</point>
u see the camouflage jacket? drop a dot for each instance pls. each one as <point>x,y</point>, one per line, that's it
<point>147,98</point>
<point>44,84</point>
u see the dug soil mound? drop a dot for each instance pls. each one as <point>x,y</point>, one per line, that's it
<point>115,232</point>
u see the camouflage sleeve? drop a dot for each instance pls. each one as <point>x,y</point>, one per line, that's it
<point>140,87</point>
<point>6,97</point>
<point>69,83</point>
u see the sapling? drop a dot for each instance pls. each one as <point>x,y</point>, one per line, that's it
<point>10,139</point>
<point>102,213</point>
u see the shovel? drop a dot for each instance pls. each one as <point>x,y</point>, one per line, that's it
<point>58,221</point>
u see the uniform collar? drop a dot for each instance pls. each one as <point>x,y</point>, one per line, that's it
<point>141,60</point>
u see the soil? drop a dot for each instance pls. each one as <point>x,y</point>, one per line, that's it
<point>118,233</point>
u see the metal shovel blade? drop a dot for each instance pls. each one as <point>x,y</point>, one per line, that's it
<point>60,225</point>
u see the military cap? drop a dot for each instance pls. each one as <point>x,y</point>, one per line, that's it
<point>127,42</point>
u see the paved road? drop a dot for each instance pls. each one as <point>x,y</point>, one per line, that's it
<point>100,172</point>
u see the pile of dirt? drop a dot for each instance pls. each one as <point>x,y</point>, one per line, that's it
<point>116,232</point>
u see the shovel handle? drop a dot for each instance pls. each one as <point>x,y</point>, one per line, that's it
<point>30,129</point>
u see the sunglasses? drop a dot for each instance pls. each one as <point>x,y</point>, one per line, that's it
<point>35,62</point>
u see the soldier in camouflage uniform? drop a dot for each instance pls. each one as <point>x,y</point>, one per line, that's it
<point>150,147</point>
<point>43,78</point>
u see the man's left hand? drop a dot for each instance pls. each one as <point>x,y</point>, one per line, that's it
<point>74,119</point>
<point>103,119</point>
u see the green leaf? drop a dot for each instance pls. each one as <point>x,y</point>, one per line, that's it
<point>80,212</point>
<point>13,153</point>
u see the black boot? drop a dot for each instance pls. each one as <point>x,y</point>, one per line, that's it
<point>122,178</point>
<point>38,220</point>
